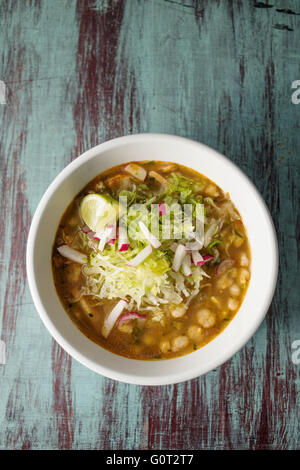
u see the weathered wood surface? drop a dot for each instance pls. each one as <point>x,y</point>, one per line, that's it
<point>79,73</point>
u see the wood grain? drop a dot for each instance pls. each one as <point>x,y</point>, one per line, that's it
<point>80,72</point>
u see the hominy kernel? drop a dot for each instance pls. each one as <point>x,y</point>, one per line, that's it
<point>233,273</point>
<point>232,304</point>
<point>206,318</point>
<point>224,282</point>
<point>234,290</point>
<point>238,241</point>
<point>179,311</point>
<point>165,346</point>
<point>195,332</point>
<point>179,343</point>
<point>244,261</point>
<point>243,276</point>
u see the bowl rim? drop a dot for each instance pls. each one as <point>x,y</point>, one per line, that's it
<point>101,369</point>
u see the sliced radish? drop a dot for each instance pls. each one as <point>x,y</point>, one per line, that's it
<point>178,257</point>
<point>97,235</point>
<point>107,235</point>
<point>205,259</point>
<point>126,317</point>
<point>162,208</point>
<point>72,254</point>
<point>197,258</point>
<point>124,246</point>
<point>137,171</point>
<point>112,241</point>
<point>148,235</point>
<point>193,246</point>
<point>112,317</point>
<point>186,265</point>
<point>123,242</point>
<point>141,256</point>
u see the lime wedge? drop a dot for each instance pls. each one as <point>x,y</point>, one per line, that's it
<point>98,210</point>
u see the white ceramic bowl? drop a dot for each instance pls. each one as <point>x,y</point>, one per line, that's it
<point>225,174</point>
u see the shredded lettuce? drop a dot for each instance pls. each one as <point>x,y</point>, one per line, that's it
<point>186,187</point>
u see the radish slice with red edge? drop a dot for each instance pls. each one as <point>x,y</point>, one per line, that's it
<point>162,208</point>
<point>141,256</point>
<point>149,236</point>
<point>98,235</point>
<point>186,265</point>
<point>197,258</point>
<point>193,246</point>
<point>124,246</point>
<point>72,254</point>
<point>126,317</point>
<point>205,259</point>
<point>178,257</point>
<point>112,317</point>
<point>123,242</point>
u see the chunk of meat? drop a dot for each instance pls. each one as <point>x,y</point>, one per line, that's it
<point>160,179</point>
<point>195,333</point>
<point>118,182</point>
<point>99,187</point>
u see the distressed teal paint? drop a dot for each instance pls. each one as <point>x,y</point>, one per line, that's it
<point>78,73</point>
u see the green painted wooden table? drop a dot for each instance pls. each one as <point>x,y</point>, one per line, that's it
<point>76,73</point>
